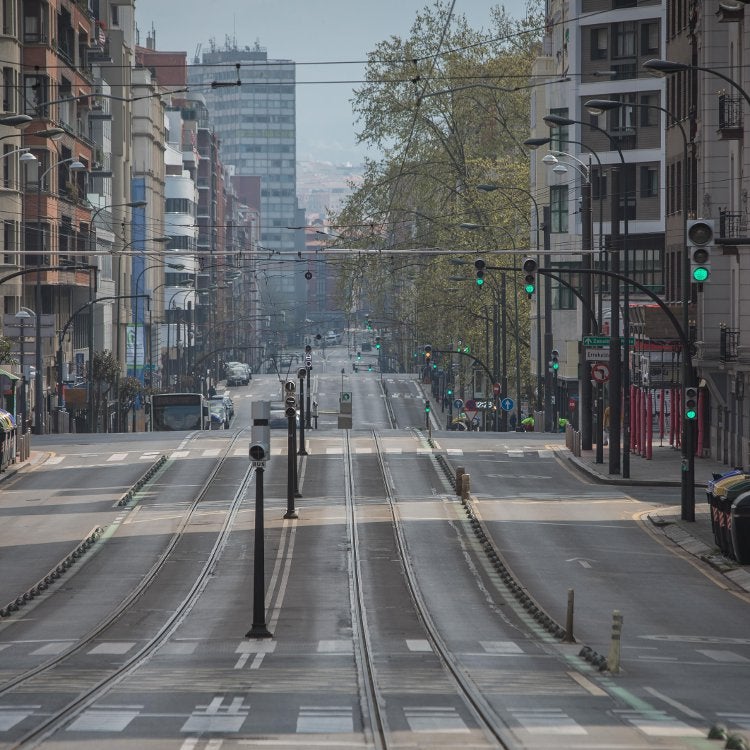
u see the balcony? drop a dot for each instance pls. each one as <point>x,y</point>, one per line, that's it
<point>729,339</point>
<point>730,118</point>
<point>733,229</point>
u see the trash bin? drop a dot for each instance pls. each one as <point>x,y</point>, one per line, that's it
<point>711,498</point>
<point>726,493</point>
<point>740,525</point>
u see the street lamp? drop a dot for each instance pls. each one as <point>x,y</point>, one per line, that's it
<point>75,166</point>
<point>23,315</point>
<point>687,476</point>
<point>186,285</point>
<point>619,359</point>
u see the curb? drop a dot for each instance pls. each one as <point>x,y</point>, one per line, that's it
<point>586,468</point>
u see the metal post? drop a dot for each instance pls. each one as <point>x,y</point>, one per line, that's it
<point>291,470</point>
<point>548,346</point>
<point>307,405</point>
<point>302,451</point>
<point>585,390</point>
<point>615,365</point>
<point>38,362</point>
<point>504,349</point>
<point>259,629</point>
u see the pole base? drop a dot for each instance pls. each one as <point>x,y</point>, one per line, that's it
<point>291,514</point>
<point>259,631</point>
<point>302,452</point>
<point>297,494</point>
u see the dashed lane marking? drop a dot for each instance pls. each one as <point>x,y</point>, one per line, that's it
<point>335,647</point>
<point>325,719</point>
<point>727,657</point>
<point>216,717</point>
<point>112,647</point>
<point>118,457</point>
<point>105,719</point>
<point>180,454</point>
<point>547,721</point>
<point>210,452</point>
<point>658,724</point>
<point>418,644</point>
<point>434,719</point>
<point>501,647</point>
<point>10,716</point>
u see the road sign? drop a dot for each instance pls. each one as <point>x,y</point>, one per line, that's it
<point>345,396</point>
<point>458,403</point>
<point>604,340</point>
<point>496,389</point>
<point>507,404</point>
<point>571,403</point>
<point>471,405</point>
<point>597,355</point>
<point>600,372</point>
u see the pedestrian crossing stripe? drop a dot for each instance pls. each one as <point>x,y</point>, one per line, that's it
<point>434,719</point>
<point>104,719</point>
<point>325,719</point>
<point>547,721</point>
<point>655,723</point>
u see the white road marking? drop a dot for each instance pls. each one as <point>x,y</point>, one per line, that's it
<point>434,719</point>
<point>132,515</point>
<point>242,453</point>
<point>740,720</point>
<point>258,647</point>
<point>418,644</point>
<point>55,459</point>
<point>180,454</point>
<point>215,717</point>
<point>112,647</point>
<point>363,450</point>
<point>455,452</point>
<point>51,649</point>
<point>658,724</point>
<point>501,647</point>
<point>728,657</point>
<point>9,717</point>
<point>516,454</point>
<point>586,684</point>
<point>178,648</point>
<point>547,721</point>
<point>104,720</point>
<point>210,452</point>
<point>328,719</point>
<point>675,704</point>
<point>334,451</point>
<point>118,457</point>
<point>335,647</point>
<point>546,454</point>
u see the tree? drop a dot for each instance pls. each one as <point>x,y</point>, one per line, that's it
<point>449,109</point>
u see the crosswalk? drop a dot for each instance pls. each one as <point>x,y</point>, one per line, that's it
<point>279,447</point>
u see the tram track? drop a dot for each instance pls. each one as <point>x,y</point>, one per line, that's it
<point>372,696</point>
<point>104,678</point>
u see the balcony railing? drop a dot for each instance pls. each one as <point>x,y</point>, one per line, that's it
<point>730,117</point>
<point>729,339</point>
<point>733,228</point>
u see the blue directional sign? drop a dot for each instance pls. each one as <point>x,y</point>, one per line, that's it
<point>507,404</point>
<point>458,403</point>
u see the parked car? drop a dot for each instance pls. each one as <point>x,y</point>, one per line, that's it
<point>238,375</point>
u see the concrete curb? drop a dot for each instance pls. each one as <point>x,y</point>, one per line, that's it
<point>35,458</point>
<point>586,468</point>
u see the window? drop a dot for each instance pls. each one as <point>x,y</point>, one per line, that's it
<point>178,206</point>
<point>559,135</point>
<point>9,90</point>
<point>559,208</point>
<point>649,182</point>
<point>563,297</point>
<point>598,184</point>
<point>622,119</point>
<point>10,233</point>
<point>627,192</point>
<point>35,93</point>
<point>649,112</point>
<point>649,37</point>
<point>624,39</point>
<point>599,43</point>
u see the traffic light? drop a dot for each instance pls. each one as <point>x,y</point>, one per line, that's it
<point>479,264</point>
<point>691,403</point>
<point>555,363</point>
<point>700,241</point>
<point>529,270</point>
<point>449,392</point>
<point>377,342</point>
<point>359,356</point>
<point>427,353</point>
<point>369,324</point>
<point>369,368</point>
<point>426,407</point>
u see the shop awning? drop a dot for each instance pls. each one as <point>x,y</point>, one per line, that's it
<point>9,375</point>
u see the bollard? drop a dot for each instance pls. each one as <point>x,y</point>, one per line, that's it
<point>465,486</point>
<point>613,660</point>
<point>569,619</point>
<point>459,473</point>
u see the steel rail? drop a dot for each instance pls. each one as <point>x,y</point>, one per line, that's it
<point>55,721</point>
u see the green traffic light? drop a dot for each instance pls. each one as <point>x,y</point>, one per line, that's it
<point>691,414</point>
<point>700,274</point>
<point>555,365</point>
<point>377,346</point>
<point>529,289</point>
<point>480,281</point>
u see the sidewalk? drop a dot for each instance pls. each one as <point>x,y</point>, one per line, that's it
<point>664,470</point>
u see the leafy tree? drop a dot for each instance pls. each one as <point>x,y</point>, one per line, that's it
<point>448,107</point>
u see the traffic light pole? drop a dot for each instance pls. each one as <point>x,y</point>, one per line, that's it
<point>687,478</point>
<point>259,629</point>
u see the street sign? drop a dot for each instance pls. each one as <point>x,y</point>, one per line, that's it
<point>496,389</point>
<point>597,355</point>
<point>458,403</point>
<point>604,340</point>
<point>507,404</point>
<point>345,396</point>
<point>471,405</point>
<point>600,372</point>
<point>571,404</point>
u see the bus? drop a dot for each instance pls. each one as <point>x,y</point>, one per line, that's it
<point>177,411</point>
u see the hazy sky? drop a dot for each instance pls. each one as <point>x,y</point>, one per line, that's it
<point>303,31</point>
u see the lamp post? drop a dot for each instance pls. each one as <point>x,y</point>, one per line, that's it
<point>664,67</point>
<point>687,476</point>
<point>619,358</point>
<point>187,285</point>
<point>76,166</point>
<point>22,316</point>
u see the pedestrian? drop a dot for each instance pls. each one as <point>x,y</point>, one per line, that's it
<point>605,425</point>
<point>513,422</point>
<point>211,391</point>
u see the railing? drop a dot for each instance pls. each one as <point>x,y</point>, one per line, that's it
<point>730,112</point>
<point>729,339</point>
<point>732,225</point>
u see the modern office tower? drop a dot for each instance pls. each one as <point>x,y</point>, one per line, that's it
<point>256,123</point>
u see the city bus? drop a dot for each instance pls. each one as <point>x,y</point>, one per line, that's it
<point>177,411</point>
